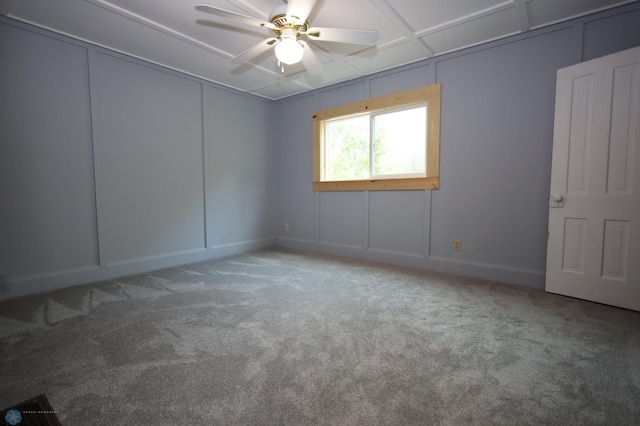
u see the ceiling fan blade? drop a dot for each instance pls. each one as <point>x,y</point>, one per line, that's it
<point>300,9</point>
<point>234,16</point>
<point>342,35</point>
<point>254,51</point>
<point>310,60</point>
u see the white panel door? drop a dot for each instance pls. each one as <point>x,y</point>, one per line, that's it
<point>593,250</point>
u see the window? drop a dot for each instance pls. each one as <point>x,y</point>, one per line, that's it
<point>386,143</point>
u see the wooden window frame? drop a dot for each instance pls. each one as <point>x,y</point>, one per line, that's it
<point>428,94</point>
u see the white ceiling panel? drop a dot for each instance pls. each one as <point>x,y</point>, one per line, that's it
<point>356,14</point>
<point>329,74</point>
<point>174,34</point>
<point>5,6</point>
<point>468,33</point>
<point>387,57</point>
<point>427,14</point>
<point>174,17</point>
<point>279,89</point>
<point>544,12</point>
<point>246,76</point>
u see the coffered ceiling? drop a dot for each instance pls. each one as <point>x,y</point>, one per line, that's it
<point>174,34</point>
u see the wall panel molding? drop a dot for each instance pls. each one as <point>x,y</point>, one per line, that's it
<point>153,110</point>
<point>48,216</point>
<point>93,89</point>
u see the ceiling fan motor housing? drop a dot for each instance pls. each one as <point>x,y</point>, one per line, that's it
<point>278,17</point>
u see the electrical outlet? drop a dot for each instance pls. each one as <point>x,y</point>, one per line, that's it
<point>286,227</point>
<point>457,245</point>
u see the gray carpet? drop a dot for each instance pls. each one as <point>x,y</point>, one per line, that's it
<point>283,337</point>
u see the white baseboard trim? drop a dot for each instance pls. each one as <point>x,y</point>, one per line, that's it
<point>385,252</point>
<point>27,285</point>
<point>33,284</point>
<point>340,246</point>
<point>295,243</point>
<point>487,271</point>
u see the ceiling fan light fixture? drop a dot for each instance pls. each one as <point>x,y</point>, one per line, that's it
<point>289,51</point>
<point>287,22</point>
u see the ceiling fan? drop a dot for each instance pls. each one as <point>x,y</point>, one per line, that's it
<point>291,30</point>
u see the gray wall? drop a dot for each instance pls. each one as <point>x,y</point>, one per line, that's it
<point>496,142</point>
<point>111,166</point>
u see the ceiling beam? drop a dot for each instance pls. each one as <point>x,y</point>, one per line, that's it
<point>522,15</point>
<point>401,25</point>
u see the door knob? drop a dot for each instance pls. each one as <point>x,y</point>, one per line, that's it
<point>556,201</point>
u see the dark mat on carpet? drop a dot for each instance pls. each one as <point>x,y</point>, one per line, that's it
<point>35,411</point>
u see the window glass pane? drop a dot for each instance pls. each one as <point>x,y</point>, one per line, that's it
<point>347,148</point>
<point>400,142</point>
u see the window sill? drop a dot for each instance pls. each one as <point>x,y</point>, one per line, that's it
<point>378,185</point>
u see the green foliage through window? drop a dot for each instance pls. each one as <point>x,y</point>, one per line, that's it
<point>389,143</point>
<point>347,148</point>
